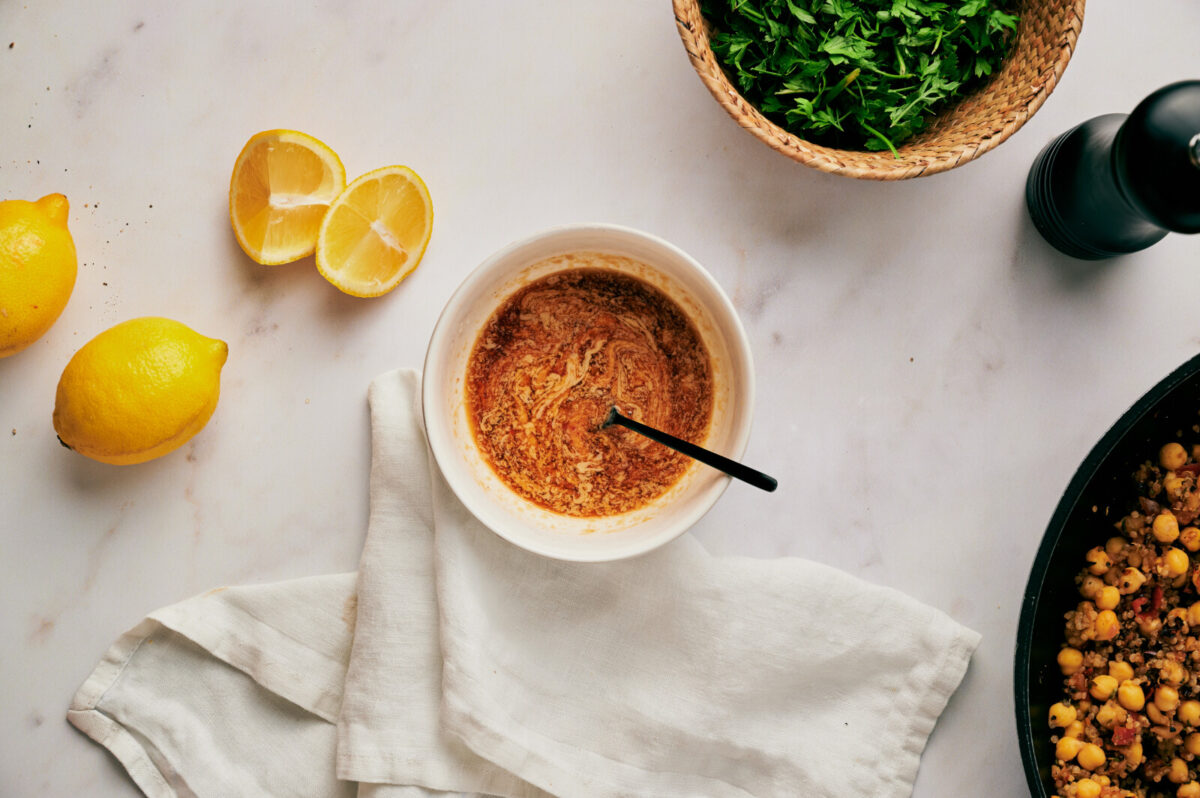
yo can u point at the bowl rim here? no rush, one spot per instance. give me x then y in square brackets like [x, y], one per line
[1034, 588]
[865, 164]
[736, 340]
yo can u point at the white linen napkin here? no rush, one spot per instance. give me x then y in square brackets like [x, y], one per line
[457, 662]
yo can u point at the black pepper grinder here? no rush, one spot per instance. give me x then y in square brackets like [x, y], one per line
[1119, 183]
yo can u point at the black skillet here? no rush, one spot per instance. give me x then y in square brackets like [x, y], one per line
[1104, 481]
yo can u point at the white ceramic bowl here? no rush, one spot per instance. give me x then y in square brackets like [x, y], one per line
[481, 490]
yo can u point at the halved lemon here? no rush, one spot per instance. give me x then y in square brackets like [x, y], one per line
[375, 232]
[283, 182]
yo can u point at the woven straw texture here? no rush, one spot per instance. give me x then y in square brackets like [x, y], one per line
[1046, 38]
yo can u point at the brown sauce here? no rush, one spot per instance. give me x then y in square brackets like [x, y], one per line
[551, 362]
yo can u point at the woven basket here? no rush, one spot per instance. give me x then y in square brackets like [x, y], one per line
[978, 122]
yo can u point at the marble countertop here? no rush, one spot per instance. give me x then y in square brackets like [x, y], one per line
[930, 373]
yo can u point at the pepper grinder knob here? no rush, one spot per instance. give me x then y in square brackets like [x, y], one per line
[1119, 183]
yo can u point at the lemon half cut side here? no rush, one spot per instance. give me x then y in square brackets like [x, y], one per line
[375, 232]
[283, 182]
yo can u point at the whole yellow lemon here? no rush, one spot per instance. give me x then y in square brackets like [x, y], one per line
[37, 269]
[138, 390]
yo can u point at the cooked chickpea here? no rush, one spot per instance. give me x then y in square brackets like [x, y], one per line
[1114, 546]
[1156, 715]
[1173, 486]
[1172, 673]
[1165, 527]
[1131, 581]
[1109, 715]
[1172, 456]
[1191, 743]
[1061, 715]
[1090, 587]
[1067, 748]
[1086, 788]
[1070, 660]
[1189, 536]
[1098, 561]
[1166, 698]
[1130, 696]
[1121, 671]
[1108, 598]
[1107, 625]
[1149, 626]
[1177, 771]
[1103, 686]
[1134, 754]
[1090, 756]
[1188, 712]
[1189, 790]
[1175, 562]
[1074, 729]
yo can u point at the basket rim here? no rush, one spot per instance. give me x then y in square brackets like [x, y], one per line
[693, 31]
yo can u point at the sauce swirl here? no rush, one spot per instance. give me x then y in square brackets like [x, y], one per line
[550, 363]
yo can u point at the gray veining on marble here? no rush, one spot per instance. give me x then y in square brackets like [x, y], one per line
[929, 372]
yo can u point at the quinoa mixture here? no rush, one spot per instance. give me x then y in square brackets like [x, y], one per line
[1128, 723]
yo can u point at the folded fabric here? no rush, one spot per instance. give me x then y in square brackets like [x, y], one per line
[455, 662]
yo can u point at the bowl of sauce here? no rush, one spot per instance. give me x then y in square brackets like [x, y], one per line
[529, 355]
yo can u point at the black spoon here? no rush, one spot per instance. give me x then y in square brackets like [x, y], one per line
[731, 467]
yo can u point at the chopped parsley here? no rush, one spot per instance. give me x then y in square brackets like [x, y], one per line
[857, 74]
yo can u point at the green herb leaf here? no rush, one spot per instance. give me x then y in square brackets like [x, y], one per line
[858, 73]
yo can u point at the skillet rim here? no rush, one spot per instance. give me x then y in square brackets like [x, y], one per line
[1092, 464]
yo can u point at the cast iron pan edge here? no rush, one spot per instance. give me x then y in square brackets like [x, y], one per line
[1032, 731]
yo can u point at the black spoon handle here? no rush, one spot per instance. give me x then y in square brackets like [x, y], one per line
[731, 467]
